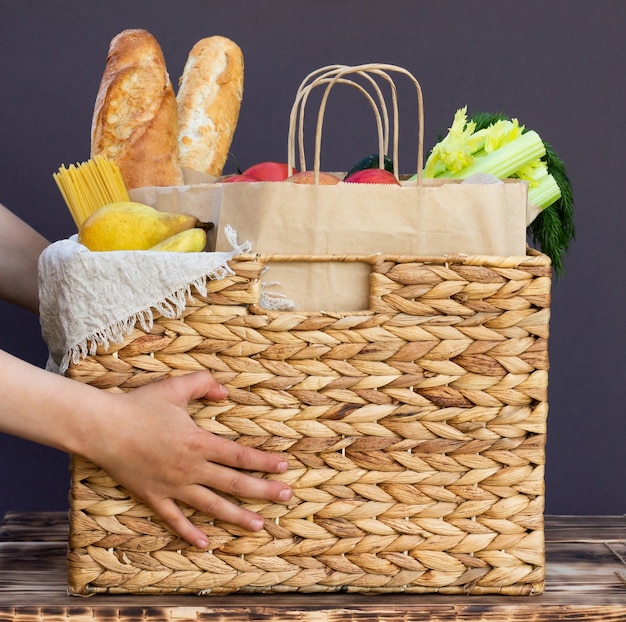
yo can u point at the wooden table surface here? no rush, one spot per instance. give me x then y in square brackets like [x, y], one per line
[585, 564]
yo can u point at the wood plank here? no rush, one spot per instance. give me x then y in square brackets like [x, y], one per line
[571, 563]
[34, 526]
[582, 583]
[312, 613]
[585, 528]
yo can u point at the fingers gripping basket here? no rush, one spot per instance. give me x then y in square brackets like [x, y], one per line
[414, 432]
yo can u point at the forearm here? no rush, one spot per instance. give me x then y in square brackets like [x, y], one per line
[47, 408]
[20, 248]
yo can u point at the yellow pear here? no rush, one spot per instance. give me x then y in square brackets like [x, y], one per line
[127, 225]
[188, 241]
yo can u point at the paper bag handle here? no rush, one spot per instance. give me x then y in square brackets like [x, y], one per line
[323, 76]
[334, 74]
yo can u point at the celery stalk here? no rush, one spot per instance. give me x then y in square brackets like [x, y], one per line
[545, 193]
[506, 160]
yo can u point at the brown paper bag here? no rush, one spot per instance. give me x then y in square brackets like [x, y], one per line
[423, 218]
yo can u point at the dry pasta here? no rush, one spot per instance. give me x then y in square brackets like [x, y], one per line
[88, 186]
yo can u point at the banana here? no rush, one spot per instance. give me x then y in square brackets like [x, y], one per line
[188, 241]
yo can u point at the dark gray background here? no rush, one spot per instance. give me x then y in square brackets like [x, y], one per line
[557, 65]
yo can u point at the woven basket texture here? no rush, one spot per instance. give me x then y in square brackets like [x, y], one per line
[414, 431]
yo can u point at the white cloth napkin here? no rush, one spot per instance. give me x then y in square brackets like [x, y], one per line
[90, 299]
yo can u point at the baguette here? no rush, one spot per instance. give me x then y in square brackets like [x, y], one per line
[135, 115]
[209, 99]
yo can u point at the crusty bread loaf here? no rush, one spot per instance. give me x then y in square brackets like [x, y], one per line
[135, 119]
[209, 99]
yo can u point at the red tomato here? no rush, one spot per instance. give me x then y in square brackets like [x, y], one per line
[269, 171]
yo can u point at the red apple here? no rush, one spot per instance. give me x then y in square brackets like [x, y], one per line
[239, 178]
[372, 176]
[308, 177]
[270, 171]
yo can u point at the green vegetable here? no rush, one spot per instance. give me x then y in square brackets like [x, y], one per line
[502, 162]
[553, 230]
[493, 143]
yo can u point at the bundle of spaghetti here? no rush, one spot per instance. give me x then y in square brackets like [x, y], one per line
[88, 186]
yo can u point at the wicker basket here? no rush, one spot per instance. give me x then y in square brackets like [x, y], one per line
[415, 434]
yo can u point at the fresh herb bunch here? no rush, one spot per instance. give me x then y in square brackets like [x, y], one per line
[553, 229]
